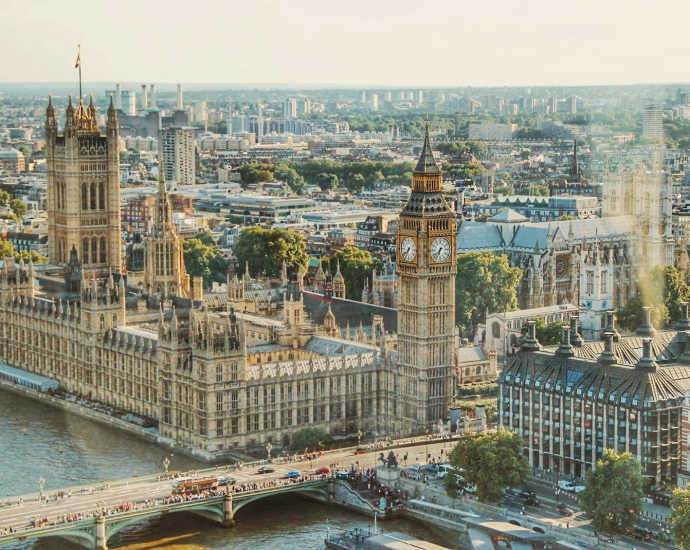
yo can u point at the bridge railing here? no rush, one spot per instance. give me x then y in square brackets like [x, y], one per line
[161, 508]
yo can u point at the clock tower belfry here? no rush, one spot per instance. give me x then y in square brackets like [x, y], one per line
[427, 266]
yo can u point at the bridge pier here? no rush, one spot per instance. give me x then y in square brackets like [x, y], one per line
[101, 540]
[228, 514]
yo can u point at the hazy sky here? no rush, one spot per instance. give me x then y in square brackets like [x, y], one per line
[353, 42]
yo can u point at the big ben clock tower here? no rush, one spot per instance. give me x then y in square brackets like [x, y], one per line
[427, 265]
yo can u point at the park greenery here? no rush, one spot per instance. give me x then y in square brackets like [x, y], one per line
[491, 461]
[680, 518]
[204, 259]
[662, 288]
[613, 492]
[547, 334]
[356, 267]
[485, 281]
[265, 250]
[309, 439]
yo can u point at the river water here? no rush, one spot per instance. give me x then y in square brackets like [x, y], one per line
[39, 441]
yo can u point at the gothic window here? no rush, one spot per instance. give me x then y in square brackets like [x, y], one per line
[102, 260]
[647, 203]
[84, 196]
[219, 373]
[614, 201]
[92, 196]
[627, 202]
[94, 250]
[604, 277]
[495, 329]
[233, 370]
[589, 282]
[101, 196]
[85, 251]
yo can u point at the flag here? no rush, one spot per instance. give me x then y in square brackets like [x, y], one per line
[78, 61]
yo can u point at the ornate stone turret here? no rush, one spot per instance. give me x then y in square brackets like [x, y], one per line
[339, 289]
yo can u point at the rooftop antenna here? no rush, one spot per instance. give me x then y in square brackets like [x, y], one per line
[78, 66]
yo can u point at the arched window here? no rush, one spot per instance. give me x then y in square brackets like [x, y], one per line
[101, 196]
[102, 250]
[614, 201]
[94, 250]
[495, 329]
[233, 370]
[627, 201]
[84, 196]
[85, 251]
[93, 196]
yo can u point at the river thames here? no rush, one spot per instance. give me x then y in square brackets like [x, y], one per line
[39, 441]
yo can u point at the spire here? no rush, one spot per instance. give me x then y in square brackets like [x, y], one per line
[426, 163]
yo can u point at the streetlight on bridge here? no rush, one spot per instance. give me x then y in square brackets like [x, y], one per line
[269, 448]
[359, 437]
[166, 464]
[41, 484]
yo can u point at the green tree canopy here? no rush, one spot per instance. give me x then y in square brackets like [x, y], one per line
[255, 173]
[491, 461]
[504, 189]
[309, 438]
[680, 518]
[265, 250]
[4, 198]
[283, 172]
[613, 492]
[327, 182]
[7, 249]
[19, 207]
[662, 288]
[203, 260]
[534, 190]
[547, 334]
[356, 266]
[485, 281]
[206, 237]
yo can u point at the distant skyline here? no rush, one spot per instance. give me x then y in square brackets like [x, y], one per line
[396, 43]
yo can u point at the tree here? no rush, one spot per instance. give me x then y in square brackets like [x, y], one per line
[290, 176]
[484, 281]
[4, 198]
[356, 266]
[6, 249]
[491, 461]
[535, 190]
[255, 173]
[309, 438]
[567, 218]
[265, 250]
[680, 518]
[18, 206]
[203, 260]
[327, 182]
[206, 237]
[548, 335]
[613, 492]
[663, 288]
[504, 190]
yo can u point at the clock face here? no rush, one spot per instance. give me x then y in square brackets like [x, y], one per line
[408, 249]
[440, 249]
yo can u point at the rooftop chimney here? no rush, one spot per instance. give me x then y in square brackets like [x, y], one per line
[153, 96]
[646, 329]
[611, 325]
[646, 362]
[607, 357]
[144, 97]
[180, 104]
[575, 338]
[531, 343]
[683, 323]
[565, 349]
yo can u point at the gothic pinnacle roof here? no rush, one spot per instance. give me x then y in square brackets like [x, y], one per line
[427, 163]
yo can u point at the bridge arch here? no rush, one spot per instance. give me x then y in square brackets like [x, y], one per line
[84, 536]
[318, 490]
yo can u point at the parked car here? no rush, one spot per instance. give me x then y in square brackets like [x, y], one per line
[570, 486]
[527, 494]
[322, 470]
[343, 474]
[532, 501]
[223, 480]
[293, 474]
[565, 510]
[641, 533]
[265, 470]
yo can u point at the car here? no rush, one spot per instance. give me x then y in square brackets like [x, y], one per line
[532, 501]
[343, 474]
[641, 533]
[292, 474]
[527, 494]
[322, 470]
[431, 468]
[222, 480]
[415, 467]
[565, 510]
[265, 470]
[570, 486]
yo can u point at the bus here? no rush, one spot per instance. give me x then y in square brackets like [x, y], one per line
[188, 485]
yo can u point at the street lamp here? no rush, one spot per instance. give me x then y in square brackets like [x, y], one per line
[557, 467]
[41, 484]
[427, 445]
[359, 437]
[166, 464]
[269, 448]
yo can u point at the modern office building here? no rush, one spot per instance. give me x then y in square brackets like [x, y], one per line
[653, 123]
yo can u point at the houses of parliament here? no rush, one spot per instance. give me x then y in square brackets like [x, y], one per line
[217, 375]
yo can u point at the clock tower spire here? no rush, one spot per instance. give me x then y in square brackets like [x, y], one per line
[427, 265]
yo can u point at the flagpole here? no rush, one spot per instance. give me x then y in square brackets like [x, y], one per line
[79, 56]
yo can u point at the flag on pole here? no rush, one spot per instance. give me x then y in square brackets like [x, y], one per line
[78, 60]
